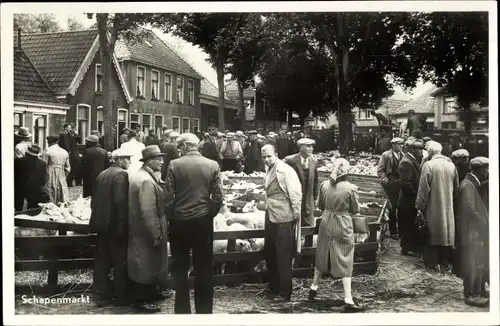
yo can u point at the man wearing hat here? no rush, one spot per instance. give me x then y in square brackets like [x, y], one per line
[435, 198]
[31, 176]
[136, 147]
[231, 153]
[472, 243]
[242, 138]
[194, 198]
[94, 161]
[58, 168]
[20, 149]
[109, 219]
[384, 144]
[165, 139]
[209, 148]
[388, 172]
[124, 136]
[409, 178]
[68, 140]
[147, 246]
[253, 160]
[271, 139]
[170, 150]
[460, 158]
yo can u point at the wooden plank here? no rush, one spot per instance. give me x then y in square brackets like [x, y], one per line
[62, 264]
[48, 225]
[55, 240]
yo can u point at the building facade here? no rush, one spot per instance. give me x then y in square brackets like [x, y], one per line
[209, 102]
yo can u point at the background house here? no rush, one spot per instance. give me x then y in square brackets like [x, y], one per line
[166, 89]
[209, 101]
[35, 104]
[423, 105]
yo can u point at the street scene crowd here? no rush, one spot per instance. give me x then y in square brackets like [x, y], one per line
[158, 195]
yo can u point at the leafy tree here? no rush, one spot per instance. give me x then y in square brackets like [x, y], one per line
[451, 50]
[111, 27]
[74, 25]
[212, 32]
[41, 23]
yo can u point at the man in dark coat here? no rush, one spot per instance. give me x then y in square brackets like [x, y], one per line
[170, 150]
[253, 161]
[384, 144]
[151, 138]
[409, 178]
[94, 161]
[123, 137]
[460, 158]
[282, 144]
[209, 148]
[193, 199]
[32, 176]
[388, 172]
[68, 140]
[109, 219]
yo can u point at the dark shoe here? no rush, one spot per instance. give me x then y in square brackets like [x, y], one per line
[101, 303]
[149, 308]
[312, 294]
[280, 298]
[162, 295]
[353, 308]
[477, 302]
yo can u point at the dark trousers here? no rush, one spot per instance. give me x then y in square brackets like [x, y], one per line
[280, 251]
[110, 252]
[19, 197]
[392, 193]
[437, 255]
[196, 235]
[230, 164]
[144, 293]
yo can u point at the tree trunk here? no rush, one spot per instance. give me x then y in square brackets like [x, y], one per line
[302, 120]
[290, 117]
[344, 124]
[467, 119]
[241, 105]
[106, 52]
[219, 68]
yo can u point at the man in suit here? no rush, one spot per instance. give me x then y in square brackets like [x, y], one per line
[109, 219]
[209, 148]
[388, 172]
[253, 157]
[147, 245]
[409, 178]
[68, 140]
[282, 226]
[170, 150]
[94, 161]
[194, 197]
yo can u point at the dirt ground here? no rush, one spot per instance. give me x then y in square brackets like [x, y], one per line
[401, 284]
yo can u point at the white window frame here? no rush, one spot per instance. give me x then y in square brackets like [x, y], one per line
[189, 124]
[365, 114]
[191, 94]
[47, 129]
[21, 119]
[130, 120]
[196, 123]
[158, 133]
[446, 109]
[177, 88]
[101, 130]
[168, 97]
[150, 122]
[118, 123]
[157, 85]
[82, 141]
[143, 91]
[102, 75]
[180, 121]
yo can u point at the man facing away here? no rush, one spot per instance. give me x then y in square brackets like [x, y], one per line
[253, 160]
[194, 197]
[388, 172]
[147, 242]
[437, 187]
[94, 161]
[282, 226]
[170, 150]
[109, 219]
[135, 147]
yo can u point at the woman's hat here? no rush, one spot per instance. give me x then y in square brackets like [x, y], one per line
[34, 150]
[151, 151]
[23, 132]
[340, 168]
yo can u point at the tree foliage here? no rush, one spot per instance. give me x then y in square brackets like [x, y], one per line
[451, 49]
[41, 23]
[74, 25]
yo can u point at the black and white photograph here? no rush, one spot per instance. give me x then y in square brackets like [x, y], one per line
[284, 162]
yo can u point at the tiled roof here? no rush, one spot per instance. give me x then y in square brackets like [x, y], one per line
[424, 104]
[392, 105]
[207, 88]
[159, 54]
[58, 56]
[28, 84]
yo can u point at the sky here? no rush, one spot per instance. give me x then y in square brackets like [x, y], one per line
[197, 58]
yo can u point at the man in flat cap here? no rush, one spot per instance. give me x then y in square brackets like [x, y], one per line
[147, 246]
[388, 172]
[194, 198]
[231, 153]
[136, 147]
[109, 219]
[409, 178]
[435, 198]
[253, 161]
[473, 233]
[242, 138]
[170, 150]
[460, 158]
[94, 161]
[209, 148]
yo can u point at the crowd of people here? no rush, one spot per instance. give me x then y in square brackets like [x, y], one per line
[152, 196]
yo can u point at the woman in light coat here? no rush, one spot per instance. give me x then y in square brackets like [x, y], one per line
[338, 199]
[58, 168]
